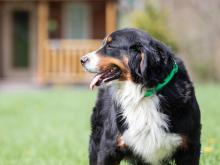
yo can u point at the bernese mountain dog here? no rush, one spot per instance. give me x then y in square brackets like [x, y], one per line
[146, 111]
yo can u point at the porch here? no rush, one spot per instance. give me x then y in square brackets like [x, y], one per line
[59, 61]
[54, 36]
[59, 58]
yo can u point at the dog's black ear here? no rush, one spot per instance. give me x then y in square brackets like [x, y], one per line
[162, 51]
[142, 60]
[149, 62]
[160, 63]
[135, 61]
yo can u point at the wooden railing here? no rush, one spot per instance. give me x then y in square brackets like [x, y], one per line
[60, 61]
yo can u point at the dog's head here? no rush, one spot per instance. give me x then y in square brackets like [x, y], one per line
[129, 55]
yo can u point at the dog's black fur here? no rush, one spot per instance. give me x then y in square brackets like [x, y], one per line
[177, 100]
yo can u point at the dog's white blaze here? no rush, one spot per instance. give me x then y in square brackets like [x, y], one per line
[92, 64]
[145, 133]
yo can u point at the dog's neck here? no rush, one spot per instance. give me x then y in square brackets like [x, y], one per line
[129, 92]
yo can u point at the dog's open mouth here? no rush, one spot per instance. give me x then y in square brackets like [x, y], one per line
[110, 74]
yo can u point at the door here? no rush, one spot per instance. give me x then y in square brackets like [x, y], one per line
[19, 37]
[20, 40]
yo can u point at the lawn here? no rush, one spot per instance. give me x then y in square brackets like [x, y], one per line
[51, 126]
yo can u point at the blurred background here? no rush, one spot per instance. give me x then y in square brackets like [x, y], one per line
[45, 104]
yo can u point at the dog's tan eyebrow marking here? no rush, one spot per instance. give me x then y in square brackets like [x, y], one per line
[109, 39]
[106, 40]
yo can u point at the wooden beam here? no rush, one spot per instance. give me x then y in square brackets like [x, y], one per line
[110, 16]
[1, 41]
[42, 36]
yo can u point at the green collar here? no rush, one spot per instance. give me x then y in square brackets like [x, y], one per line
[151, 91]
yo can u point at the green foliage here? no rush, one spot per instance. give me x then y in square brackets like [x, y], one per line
[203, 70]
[154, 21]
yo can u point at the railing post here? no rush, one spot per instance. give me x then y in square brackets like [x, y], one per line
[110, 16]
[42, 36]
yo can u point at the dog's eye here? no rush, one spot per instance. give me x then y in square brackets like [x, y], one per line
[110, 46]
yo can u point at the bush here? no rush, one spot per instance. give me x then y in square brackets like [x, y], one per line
[153, 20]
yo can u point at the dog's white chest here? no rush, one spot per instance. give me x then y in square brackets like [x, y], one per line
[146, 133]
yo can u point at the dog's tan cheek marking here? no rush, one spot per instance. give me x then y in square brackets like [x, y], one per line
[106, 62]
[125, 59]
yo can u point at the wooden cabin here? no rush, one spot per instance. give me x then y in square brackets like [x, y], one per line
[42, 41]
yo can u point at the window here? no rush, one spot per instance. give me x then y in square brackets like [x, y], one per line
[55, 16]
[76, 20]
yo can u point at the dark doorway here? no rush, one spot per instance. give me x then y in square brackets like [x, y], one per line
[20, 40]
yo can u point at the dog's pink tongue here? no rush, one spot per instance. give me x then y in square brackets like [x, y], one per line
[94, 81]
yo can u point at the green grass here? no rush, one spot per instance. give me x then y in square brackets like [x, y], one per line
[51, 127]
[209, 100]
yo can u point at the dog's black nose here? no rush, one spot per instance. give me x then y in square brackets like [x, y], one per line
[84, 59]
